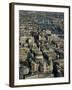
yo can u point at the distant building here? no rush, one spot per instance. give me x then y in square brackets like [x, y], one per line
[24, 70]
[39, 57]
[34, 67]
[46, 67]
[26, 40]
[23, 54]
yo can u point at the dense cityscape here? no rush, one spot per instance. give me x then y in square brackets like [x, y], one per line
[41, 44]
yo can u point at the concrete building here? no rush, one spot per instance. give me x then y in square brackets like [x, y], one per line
[34, 67]
[23, 70]
[39, 57]
[46, 67]
[23, 54]
[26, 40]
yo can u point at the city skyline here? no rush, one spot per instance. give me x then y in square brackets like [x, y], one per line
[41, 44]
